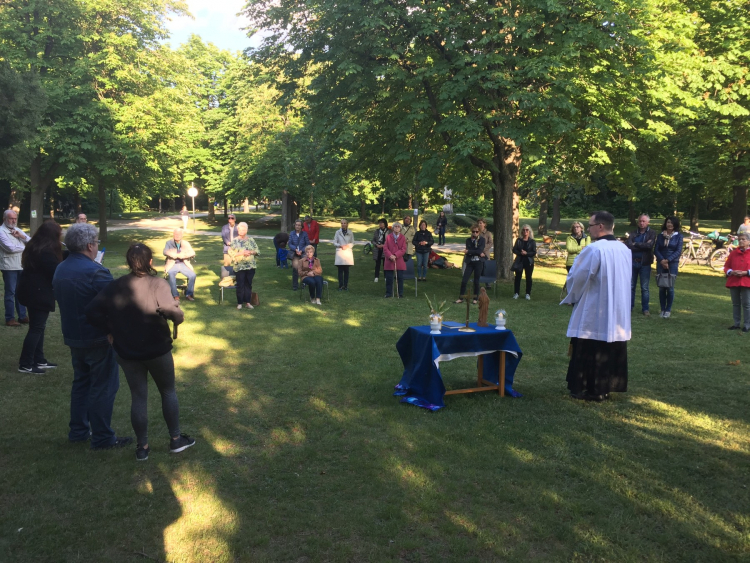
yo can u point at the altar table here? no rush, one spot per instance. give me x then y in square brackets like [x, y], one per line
[422, 352]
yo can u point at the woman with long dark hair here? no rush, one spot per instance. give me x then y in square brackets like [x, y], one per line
[134, 310]
[667, 251]
[39, 260]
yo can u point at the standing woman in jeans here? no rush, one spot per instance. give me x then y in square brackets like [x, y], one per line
[39, 260]
[667, 250]
[423, 242]
[133, 310]
[525, 250]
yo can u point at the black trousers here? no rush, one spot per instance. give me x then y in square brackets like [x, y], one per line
[244, 285]
[343, 276]
[379, 261]
[475, 268]
[528, 269]
[32, 352]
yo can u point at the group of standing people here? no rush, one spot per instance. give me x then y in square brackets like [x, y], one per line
[104, 323]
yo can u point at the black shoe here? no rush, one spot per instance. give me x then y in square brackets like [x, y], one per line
[595, 398]
[578, 396]
[746, 330]
[31, 369]
[181, 444]
[341, 289]
[46, 365]
[388, 296]
[141, 454]
[734, 327]
[294, 289]
[119, 443]
[346, 289]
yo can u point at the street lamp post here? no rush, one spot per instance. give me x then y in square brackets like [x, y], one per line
[192, 192]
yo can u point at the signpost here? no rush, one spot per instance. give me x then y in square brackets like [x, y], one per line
[192, 192]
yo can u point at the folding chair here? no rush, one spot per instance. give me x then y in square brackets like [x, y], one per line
[489, 275]
[303, 291]
[408, 274]
[226, 271]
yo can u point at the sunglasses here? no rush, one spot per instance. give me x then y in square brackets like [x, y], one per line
[475, 232]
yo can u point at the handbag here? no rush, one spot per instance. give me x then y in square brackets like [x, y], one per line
[254, 299]
[517, 266]
[665, 280]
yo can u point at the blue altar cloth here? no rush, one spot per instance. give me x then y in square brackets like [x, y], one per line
[421, 353]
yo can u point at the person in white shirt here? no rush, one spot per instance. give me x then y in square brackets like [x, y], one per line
[599, 328]
[12, 243]
[745, 227]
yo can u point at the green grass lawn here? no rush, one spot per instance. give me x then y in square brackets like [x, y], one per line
[303, 454]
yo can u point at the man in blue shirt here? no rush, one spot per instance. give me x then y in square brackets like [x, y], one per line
[96, 379]
[641, 245]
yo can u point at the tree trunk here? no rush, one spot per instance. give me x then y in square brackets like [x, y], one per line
[39, 185]
[694, 222]
[555, 224]
[503, 207]
[411, 201]
[52, 202]
[516, 214]
[159, 204]
[102, 193]
[111, 198]
[543, 210]
[77, 201]
[246, 206]
[739, 197]
[226, 211]
[211, 210]
[312, 213]
[363, 210]
[632, 216]
[14, 200]
[286, 212]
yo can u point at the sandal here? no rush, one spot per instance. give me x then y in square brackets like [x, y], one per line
[458, 301]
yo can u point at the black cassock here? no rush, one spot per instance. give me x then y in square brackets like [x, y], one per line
[597, 367]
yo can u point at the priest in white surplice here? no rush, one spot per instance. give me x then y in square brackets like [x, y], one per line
[599, 328]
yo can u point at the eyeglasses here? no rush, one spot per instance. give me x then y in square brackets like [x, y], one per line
[475, 232]
[593, 224]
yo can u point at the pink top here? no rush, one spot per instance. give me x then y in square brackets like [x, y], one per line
[392, 247]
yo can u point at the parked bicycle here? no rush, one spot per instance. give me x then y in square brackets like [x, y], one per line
[725, 244]
[550, 247]
[698, 247]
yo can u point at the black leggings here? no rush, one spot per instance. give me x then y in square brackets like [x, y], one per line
[343, 276]
[162, 371]
[528, 269]
[244, 284]
[476, 268]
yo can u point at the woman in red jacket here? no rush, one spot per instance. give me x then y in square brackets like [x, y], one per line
[393, 255]
[737, 269]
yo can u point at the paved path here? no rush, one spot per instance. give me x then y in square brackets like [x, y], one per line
[169, 223]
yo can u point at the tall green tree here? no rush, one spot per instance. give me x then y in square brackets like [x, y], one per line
[487, 83]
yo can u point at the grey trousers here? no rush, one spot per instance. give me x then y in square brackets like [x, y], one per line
[740, 302]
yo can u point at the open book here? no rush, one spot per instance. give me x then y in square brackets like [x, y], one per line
[100, 256]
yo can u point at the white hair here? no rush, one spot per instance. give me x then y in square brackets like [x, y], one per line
[241, 225]
[79, 236]
[178, 230]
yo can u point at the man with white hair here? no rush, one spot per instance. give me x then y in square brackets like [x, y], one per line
[81, 218]
[96, 378]
[12, 243]
[179, 253]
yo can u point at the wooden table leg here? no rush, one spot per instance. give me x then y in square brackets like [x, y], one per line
[502, 374]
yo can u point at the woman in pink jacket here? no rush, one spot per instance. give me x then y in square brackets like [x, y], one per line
[393, 255]
[737, 269]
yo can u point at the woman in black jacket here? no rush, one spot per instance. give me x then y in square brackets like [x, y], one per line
[525, 250]
[39, 260]
[422, 242]
[134, 310]
[474, 257]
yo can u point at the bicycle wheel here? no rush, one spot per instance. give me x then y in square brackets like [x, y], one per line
[718, 258]
[683, 258]
[542, 251]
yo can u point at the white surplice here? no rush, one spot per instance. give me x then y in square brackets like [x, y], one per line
[599, 287]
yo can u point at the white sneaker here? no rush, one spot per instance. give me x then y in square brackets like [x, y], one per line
[248, 306]
[528, 297]
[317, 302]
[376, 280]
[661, 314]
[239, 307]
[667, 314]
[515, 296]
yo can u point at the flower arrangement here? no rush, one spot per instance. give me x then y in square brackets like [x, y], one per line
[438, 311]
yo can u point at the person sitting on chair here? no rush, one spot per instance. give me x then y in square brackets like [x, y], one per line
[179, 253]
[311, 274]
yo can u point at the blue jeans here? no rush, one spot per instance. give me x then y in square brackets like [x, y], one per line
[315, 285]
[666, 294]
[96, 379]
[644, 273]
[181, 268]
[422, 259]
[10, 280]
